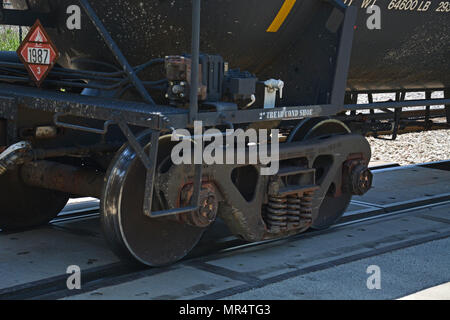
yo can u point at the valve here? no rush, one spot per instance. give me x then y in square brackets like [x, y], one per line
[272, 86]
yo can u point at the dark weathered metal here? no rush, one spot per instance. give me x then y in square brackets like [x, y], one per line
[331, 201]
[23, 206]
[447, 106]
[61, 124]
[14, 156]
[357, 177]
[289, 207]
[408, 114]
[134, 113]
[399, 97]
[3, 134]
[395, 104]
[385, 59]
[155, 211]
[151, 171]
[208, 206]
[344, 55]
[78, 151]
[195, 56]
[193, 205]
[64, 178]
[26, 18]
[117, 52]
[156, 241]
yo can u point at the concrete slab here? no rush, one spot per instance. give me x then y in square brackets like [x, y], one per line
[47, 252]
[182, 283]
[432, 213]
[283, 256]
[401, 272]
[441, 292]
[394, 186]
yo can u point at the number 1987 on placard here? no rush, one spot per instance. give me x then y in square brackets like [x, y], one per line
[39, 56]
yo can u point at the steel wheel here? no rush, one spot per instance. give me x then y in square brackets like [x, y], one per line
[335, 202]
[154, 242]
[23, 207]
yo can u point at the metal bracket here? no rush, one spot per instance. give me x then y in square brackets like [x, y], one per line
[150, 161]
[344, 55]
[397, 115]
[447, 106]
[150, 182]
[146, 161]
[427, 110]
[272, 86]
[81, 128]
[193, 206]
[195, 53]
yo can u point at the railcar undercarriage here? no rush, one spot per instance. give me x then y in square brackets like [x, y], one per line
[103, 132]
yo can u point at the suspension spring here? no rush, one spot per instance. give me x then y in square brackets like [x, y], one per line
[277, 213]
[307, 206]
[289, 212]
[294, 209]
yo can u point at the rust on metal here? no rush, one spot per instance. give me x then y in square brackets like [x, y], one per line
[64, 178]
[357, 177]
[209, 205]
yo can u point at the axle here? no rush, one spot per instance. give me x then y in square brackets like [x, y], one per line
[60, 177]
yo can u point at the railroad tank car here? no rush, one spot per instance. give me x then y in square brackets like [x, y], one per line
[101, 124]
[408, 52]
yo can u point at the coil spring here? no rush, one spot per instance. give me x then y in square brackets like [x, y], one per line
[291, 212]
[307, 206]
[294, 209]
[276, 215]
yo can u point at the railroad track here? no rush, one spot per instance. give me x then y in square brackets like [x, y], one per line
[90, 206]
[117, 273]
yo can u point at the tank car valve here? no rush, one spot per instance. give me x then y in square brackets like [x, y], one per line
[270, 94]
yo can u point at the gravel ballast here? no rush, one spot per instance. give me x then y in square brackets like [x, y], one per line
[412, 148]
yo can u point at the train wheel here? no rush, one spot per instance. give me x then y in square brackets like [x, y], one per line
[23, 207]
[151, 241]
[335, 203]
